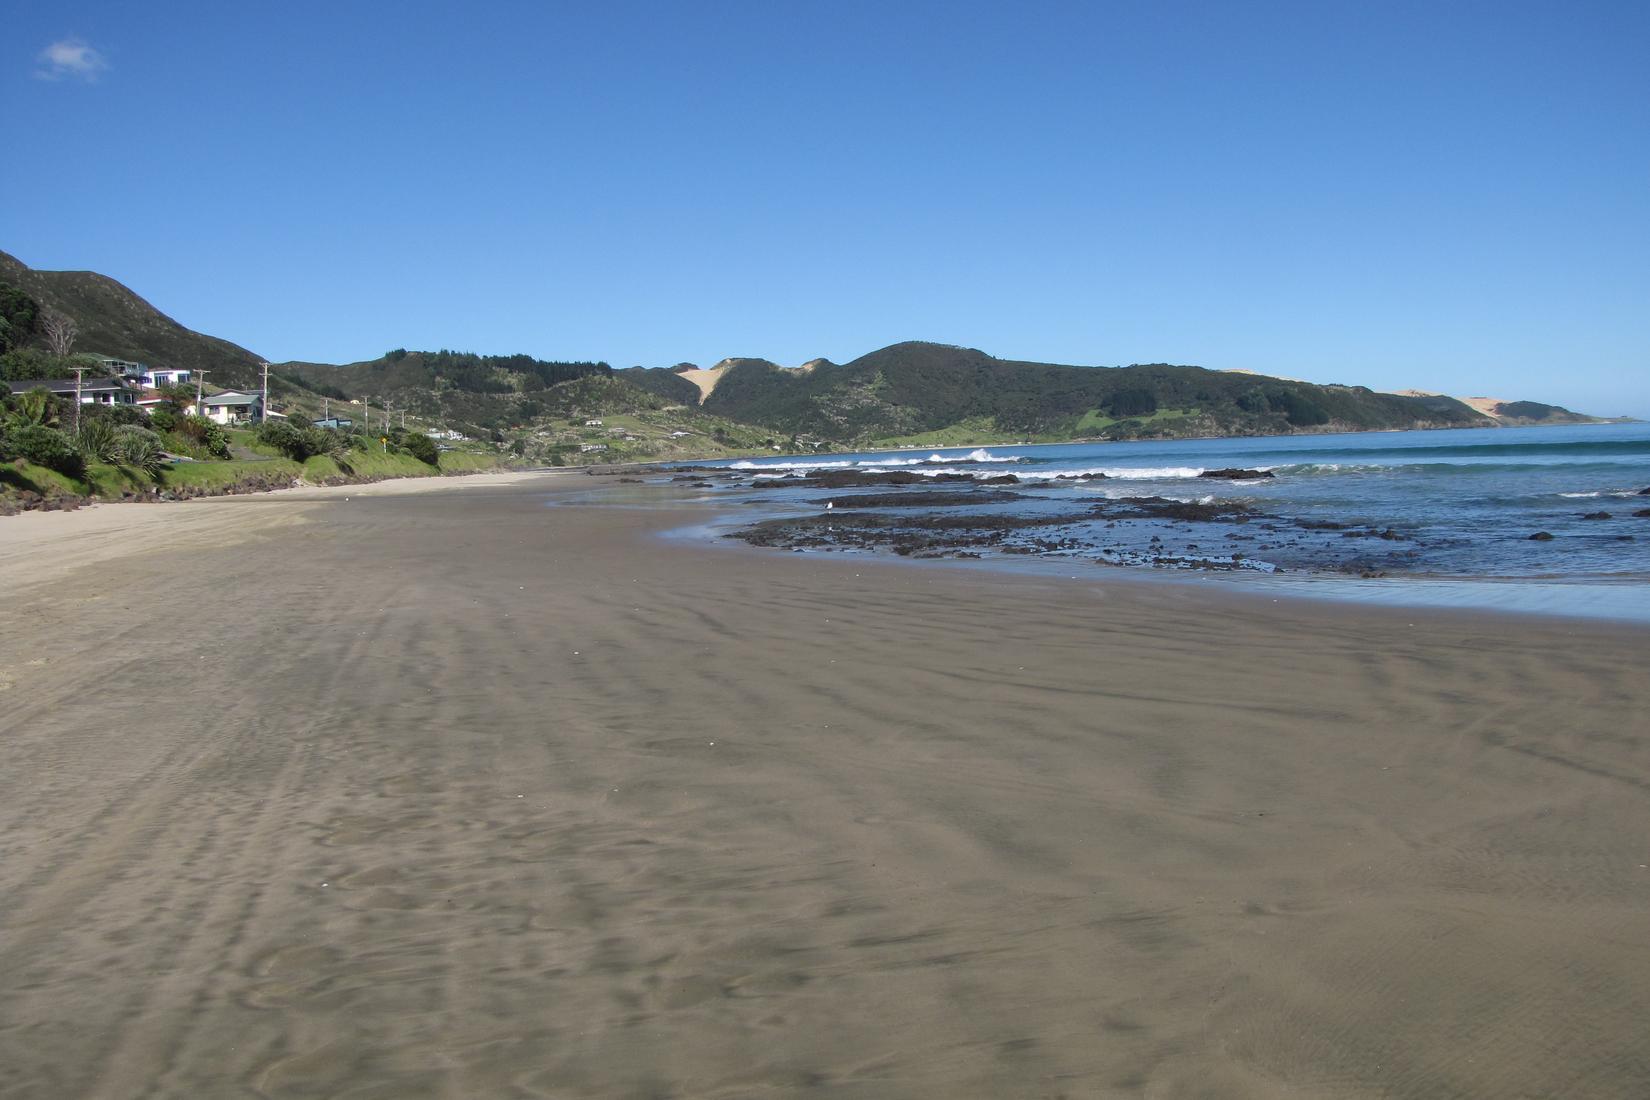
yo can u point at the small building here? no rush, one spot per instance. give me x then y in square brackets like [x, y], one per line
[150, 400]
[93, 391]
[232, 407]
[337, 423]
[591, 448]
[592, 423]
[138, 374]
[123, 368]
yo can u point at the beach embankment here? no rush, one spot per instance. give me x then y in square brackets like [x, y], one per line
[483, 791]
[25, 487]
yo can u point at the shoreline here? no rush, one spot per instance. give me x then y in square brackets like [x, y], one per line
[1348, 523]
[1412, 595]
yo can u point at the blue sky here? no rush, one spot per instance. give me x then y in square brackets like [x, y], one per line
[1444, 195]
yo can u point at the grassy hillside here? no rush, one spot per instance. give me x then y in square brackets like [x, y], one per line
[536, 408]
[112, 320]
[1534, 412]
[475, 393]
[917, 393]
[913, 390]
[667, 383]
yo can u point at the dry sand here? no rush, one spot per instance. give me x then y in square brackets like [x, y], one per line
[459, 795]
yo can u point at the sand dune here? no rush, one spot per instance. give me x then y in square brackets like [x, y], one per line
[463, 795]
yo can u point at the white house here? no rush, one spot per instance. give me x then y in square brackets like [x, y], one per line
[142, 375]
[232, 407]
[123, 367]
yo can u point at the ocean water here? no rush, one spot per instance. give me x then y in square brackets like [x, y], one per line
[1433, 516]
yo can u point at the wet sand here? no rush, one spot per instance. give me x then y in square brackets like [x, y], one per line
[454, 794]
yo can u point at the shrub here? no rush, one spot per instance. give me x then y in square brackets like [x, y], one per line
[49, 448]
[163, 419]
[113, 414]
[421, 447]
[301, 443]
[96, 439]
[206, 434]
[141, 449]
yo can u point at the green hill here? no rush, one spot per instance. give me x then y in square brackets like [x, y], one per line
[915, 389]
[920, 393]
[545, 410]
[668, 383]
[112, 320]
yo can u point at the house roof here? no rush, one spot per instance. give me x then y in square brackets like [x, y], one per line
[230, 397]
[66, 385]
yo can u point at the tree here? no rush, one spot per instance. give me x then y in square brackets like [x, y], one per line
[60, 332]
[421, 447]
[34, 409]
[1132, 402]
[19, 317]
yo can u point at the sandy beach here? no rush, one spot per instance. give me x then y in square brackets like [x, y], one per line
[467, 789]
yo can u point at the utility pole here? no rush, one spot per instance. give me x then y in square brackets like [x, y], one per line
[200, 376]
[79, 373]
[367, 401]
[263, 403]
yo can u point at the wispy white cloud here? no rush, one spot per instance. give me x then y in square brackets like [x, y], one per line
[70, 58]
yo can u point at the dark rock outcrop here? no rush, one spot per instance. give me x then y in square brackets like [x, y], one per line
[1235, 474]
[932, 498]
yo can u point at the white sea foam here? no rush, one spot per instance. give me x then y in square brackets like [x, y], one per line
[747, 464]
[1602, 493]
[978, 455]
[1121, 473]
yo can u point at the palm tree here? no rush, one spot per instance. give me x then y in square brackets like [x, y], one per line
[33, 408]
